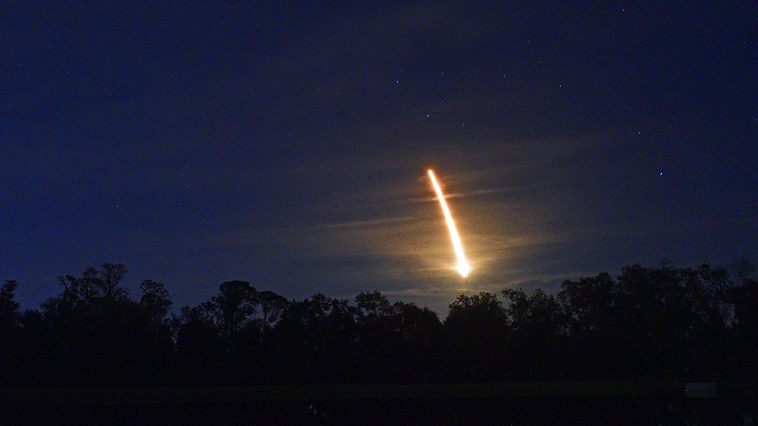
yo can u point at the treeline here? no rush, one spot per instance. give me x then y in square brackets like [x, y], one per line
[693, 323]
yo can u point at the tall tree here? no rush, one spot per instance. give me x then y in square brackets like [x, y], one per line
[110, 277]
[155, 299]
[272, 307]
[476, 329]
[234, 307]
[9, 314]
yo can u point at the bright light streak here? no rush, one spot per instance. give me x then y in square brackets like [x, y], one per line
[463, 266]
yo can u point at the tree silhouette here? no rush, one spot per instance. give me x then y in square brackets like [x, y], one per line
[155, 299]
[109, 278]
[476, 330]
[199, 346]
[233, 308]
[693, 323]
[9, 313]
[745, 301]
[10, 319]
[536, 334]
[272, 307]
[419, 333]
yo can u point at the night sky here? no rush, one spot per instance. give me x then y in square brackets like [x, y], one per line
[287, 145]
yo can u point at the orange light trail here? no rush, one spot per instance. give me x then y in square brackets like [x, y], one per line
[462, 266]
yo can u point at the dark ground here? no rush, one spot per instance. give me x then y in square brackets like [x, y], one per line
[631, 403]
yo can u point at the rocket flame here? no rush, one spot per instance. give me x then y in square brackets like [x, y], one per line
[463, 266]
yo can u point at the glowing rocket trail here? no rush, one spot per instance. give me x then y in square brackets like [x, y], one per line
[463, 266]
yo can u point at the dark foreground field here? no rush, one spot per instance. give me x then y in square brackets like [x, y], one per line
[633, 403]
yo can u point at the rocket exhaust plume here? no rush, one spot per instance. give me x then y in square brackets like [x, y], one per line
[462, 266]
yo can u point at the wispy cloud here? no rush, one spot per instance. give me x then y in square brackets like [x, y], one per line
[384, 230]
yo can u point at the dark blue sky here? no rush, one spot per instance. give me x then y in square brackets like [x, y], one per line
[287, 145]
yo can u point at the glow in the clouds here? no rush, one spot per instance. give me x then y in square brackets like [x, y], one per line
[462, 266]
